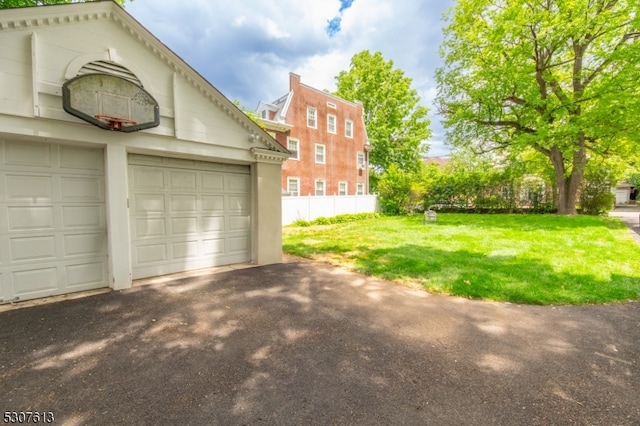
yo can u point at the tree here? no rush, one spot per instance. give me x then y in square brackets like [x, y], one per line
[8, 4]
[559, 76]
[396, 124]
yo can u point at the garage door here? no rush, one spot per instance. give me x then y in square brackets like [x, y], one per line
[187, 214]
[52, 220]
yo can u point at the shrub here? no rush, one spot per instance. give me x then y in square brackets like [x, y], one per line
[400, 192]
[343, 218]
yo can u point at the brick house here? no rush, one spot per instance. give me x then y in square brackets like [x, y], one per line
[327, 138]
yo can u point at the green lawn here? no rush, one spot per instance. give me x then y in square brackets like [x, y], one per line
[533, 259]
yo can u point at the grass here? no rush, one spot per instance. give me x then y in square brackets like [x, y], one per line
[531, 259]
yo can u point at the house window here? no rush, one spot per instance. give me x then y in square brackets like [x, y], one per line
[331, 123]
[293, 186]
[331, 105]
[342, 188]
[312, 118]
[319, 187]
[320, 153]
[293, 145]
[360, 160]
[360, 189]
[348, 128]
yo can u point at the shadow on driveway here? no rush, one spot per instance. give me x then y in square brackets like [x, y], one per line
[304, 343]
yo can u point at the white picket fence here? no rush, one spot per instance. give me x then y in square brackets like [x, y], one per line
[312, 207]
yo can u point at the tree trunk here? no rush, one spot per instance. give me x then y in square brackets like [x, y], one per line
[567, 185]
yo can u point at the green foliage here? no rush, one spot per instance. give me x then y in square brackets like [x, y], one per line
[342, 218]
[596, 197]
[8, 4]
[400, 192]
[489, 185]
[396, 124]
[558, 76]
[253, 116]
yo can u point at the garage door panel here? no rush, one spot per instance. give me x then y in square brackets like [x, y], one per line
[149, 203]
[184, 225]
[29, 188]
[213, 224]
[238, 204]
[145, 178]
[79, 189]
[213, 246]
[84, 244]
[185, 249]
[212, 182]
[79, 158]
[180, 180]
[207, 215]
[26, 282]
[238, 244]
[151, 253]
[83, 216]
[85, 274]
[213, 204]
[33, 248]
[27, 154]
[30, 218]
[237, 183]
[184, 203]
[239, 223]
[150, 228]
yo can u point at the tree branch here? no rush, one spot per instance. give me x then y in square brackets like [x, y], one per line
[506, 123]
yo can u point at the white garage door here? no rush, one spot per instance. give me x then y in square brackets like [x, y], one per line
[52, 220]
[187, 214]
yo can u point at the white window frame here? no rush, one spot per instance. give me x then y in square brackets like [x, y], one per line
[297, 181]
[312, 122]
[348, 128]
[360, 189]
[359, 156]
[324, 187]
[324, 153]
[331, 105]
[332, 124]
[342, 184]
[297, 150]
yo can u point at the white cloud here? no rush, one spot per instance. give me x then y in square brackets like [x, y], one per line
[247, 48]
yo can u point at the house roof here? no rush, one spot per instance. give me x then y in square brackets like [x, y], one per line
[62, 14]
[276, 116]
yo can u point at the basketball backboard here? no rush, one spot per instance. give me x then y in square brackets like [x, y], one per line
[110, 102]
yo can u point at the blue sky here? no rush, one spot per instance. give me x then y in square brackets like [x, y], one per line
[247, 48]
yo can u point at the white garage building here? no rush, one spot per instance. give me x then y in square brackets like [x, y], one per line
[175, 178]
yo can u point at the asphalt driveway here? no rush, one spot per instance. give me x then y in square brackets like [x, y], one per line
[303, 343]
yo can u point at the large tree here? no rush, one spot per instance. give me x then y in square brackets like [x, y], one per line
[560, 76]
[7, 4]
[396, 123]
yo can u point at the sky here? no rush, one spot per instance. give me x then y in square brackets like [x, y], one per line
[247, 48]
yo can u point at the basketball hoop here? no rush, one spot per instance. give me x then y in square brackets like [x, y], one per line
[115, 123]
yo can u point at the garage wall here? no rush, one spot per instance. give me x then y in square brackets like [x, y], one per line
[45, 46]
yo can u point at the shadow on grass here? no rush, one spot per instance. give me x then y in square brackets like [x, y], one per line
[501, 278]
